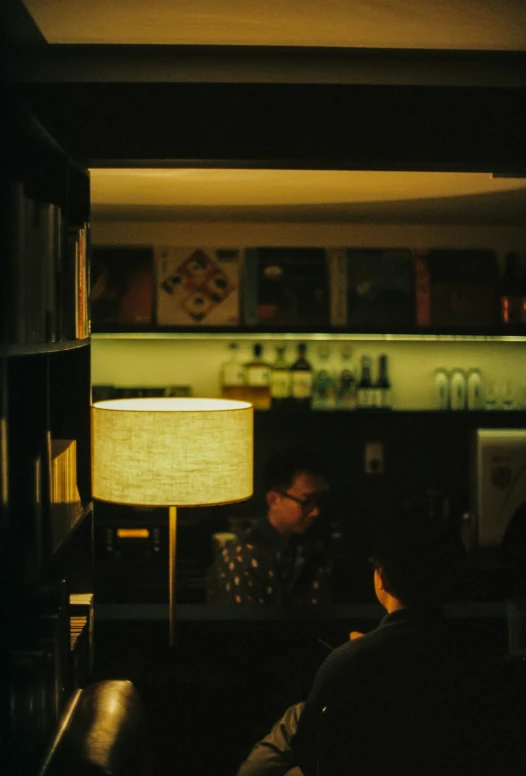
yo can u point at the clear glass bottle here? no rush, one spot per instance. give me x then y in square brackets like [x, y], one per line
[382, 395]
[233, 376]
[365, 385]
[346, 396]
[457, 390]
[474, 393]
[301, 379]
[441, 390]
[257, 389]
[280, 380]
[324, 383]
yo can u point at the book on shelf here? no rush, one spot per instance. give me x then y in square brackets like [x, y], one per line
[74, 284]
[66, 504]
[372, 288]
[121, 280]
[83, 326]
[47, 258]
[456, 288]
[34, 267]
[286, 287]
[197, 286]
[81, 636]
[27, 529]
[17, 323]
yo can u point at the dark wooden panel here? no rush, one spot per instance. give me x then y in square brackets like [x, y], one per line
[287, 125]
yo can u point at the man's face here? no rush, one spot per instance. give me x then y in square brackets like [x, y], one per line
[294, 509]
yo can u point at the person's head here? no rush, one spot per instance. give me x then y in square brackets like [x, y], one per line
[416, 560]
[296, 487]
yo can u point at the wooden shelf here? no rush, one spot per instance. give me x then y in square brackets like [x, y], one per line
[34, 348]
[515, 335]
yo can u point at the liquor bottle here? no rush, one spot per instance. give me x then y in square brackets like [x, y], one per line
[280, 380]
[441, 390]
[346, 397]
[475, 398]
[301, 378]
[324, 382]
[457, 390]
[509, 292]
[365, 386]
[382, 386]
[233, 376]
[257, 389]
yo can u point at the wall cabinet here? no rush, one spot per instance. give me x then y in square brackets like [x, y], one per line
[46, 569]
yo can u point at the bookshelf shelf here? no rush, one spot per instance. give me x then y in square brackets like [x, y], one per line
[327, 336]
[31, 349]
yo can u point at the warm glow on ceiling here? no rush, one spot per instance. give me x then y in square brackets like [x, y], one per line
[218, 187]
[417, 24]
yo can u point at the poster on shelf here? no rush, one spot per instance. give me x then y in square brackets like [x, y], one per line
[286, 287]
[121, 286]
[372, 288]
[197, 286]
[456, 288]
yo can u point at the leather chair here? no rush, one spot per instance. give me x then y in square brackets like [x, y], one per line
[102, 731]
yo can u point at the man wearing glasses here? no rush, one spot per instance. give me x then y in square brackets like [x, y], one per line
[276, 561]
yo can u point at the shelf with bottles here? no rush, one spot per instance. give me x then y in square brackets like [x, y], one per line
[325, 377]
[124, 333]
[297, 385]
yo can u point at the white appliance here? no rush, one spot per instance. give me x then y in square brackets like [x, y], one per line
[498, 481]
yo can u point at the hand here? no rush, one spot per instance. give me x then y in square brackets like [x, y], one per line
[355, 635]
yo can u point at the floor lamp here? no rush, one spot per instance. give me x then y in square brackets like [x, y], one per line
[172, 452]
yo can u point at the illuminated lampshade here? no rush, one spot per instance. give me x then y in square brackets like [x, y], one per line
[172, 452]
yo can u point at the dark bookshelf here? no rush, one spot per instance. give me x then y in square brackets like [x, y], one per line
[44, 395]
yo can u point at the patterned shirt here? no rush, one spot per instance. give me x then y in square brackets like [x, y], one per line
[262, 567]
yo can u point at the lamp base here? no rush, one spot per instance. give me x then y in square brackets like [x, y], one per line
[172, 539]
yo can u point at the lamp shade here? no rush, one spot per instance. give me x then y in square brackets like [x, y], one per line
[172, 451]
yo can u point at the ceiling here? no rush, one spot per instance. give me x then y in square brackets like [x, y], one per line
[157, 194]
[411, 24]
[483, 25]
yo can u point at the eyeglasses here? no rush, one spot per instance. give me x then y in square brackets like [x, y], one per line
[316, 501]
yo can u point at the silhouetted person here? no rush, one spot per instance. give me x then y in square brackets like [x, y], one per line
[406, 697]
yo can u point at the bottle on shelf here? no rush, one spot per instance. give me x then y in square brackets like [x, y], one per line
[508, 395]
[382, 388]
[474, 393]
[441, 390]
[301, 379]
[509, 292]
[233, 376]
[257, 374]
[457, 390]
[280, 380]
[324, 382]
[365, 386]
[346, 397]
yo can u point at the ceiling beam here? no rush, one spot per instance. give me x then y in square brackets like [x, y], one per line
[90, 63]
[302, 126]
